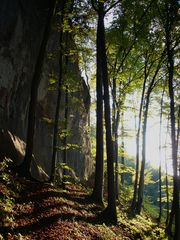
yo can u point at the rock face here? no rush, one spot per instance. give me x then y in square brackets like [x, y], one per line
[21, 30]
[14, 148]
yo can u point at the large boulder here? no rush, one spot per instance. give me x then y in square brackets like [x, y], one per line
[13, 147]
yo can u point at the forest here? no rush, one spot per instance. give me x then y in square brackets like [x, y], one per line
[89, 119]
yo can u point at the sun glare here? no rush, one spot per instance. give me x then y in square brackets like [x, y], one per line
[153, 155]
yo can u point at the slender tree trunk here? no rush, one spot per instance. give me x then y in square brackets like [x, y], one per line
[160, 158]
[133, 205]
[166, 179]
[97, 194]
[115, 125]
[110, 211]
[25, 167]
[170, 23]
[117, 120]
[111, 208]
[141, 180]
[147, 100]
[167, 189]
[178, 134]
[66, 108]
[122, 146]
[160, 189]
[175, 206]
[59, 93]
[65, 137]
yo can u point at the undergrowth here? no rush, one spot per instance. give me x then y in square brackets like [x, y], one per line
[9, 191]
[73, 206]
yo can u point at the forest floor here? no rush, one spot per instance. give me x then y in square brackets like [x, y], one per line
[42, 211]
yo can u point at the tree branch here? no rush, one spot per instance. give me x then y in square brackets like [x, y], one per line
[94, 6]
[113, 5]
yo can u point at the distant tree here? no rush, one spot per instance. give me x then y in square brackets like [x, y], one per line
[123, 36]
[166, 178]
[160, 156]
[156, 63]
[133, 204]
[122, 145]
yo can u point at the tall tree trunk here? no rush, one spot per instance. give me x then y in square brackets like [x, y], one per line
[170, 23]
[141, 180]
[122, 146]
[117, 120]
[59, 93]
[65, 137]
[97, 194]
[115, 126]
[175, 205]
[25, 167]
[66, 108]
[133, 205]
[166, 179]
[167, 196]
[145, 117]
[111, 208]
[178, 139]
[160, 158]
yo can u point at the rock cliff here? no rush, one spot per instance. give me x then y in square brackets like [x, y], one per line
[21, 28]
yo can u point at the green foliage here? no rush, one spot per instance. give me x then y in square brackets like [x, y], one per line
[48, 120]
[70, 146]
[106, 232]
[122, 168]
[140, 226]
[53, 78]
[64, 174]
[125, 195]
[150, 208]
[148, 177]
[64, 132]
[9, 189]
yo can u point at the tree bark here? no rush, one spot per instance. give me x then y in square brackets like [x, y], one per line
[97, 194]
[111, 208]
[167, 194]
[170, 22]
[160, 158]
[115, 124]
[122, 146]
[117, 120]
[175, 205]
[166, 177]
[65, 137]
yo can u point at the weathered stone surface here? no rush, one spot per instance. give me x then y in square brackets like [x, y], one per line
[13, 147]
[21, 29]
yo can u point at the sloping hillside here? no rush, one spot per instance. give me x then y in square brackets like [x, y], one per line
[32, 210]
